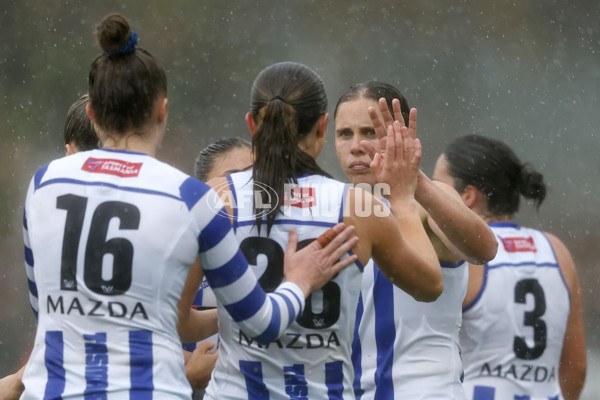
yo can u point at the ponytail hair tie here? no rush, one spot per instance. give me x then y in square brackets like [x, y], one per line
[278, 97]
[129, 47]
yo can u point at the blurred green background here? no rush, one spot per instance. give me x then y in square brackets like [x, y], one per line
[527, 72]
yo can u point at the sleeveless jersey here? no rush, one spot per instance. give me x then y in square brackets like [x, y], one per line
[513, 330]
[109, 239]
[406, 349]
[312, 359]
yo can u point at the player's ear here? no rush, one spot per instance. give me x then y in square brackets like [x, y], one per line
[90, 112]
[471, 196]
[70, 149]
[250, 122]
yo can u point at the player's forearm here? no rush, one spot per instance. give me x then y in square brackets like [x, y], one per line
[197, 325]
[462, 227]
[425, 283]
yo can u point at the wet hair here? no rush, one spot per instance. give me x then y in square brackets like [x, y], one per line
[375, 90]
[493, 168]
[286, 101]
[79, 128]
[208, 155]
[124, 81]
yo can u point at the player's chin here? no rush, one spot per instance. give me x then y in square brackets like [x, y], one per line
[361, 177]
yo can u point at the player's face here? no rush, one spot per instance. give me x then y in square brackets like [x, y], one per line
[235, 160]
[440, 172]
[353, 124]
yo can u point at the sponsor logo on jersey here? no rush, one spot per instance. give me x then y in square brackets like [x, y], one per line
[296, 341]
[301, 197]
[121, 168]
[94, 308]
[520, 372]
[519, 244]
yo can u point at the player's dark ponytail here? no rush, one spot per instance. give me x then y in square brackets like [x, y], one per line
[287, 100]
[493, 168]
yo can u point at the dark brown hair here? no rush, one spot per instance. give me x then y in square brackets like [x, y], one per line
[79, 128]
[375, 90]
[492, 167]
[125, 81]
[205, 161]
[286, 102]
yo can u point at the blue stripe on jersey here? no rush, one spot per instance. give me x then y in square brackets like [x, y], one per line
[37, 178]
[28, 256]
[214, 231]
[292, 222]
[235, 209]
[524, 397]
[96, 366]
[110, 185]
[297, 298]
[189, 346]
[198, 299]
[334, 380]
[272, 330]
[481, 289]
[227, 273]
[35, 313]
[53, 359]
[248, 306]
[523, 264]
[445, 264]
[25, 219]
[32, 288]
[484, 393]
[385, 333]
[289, 305]
[252, 371]
[141, 362]
[357, 351]
[192, 190]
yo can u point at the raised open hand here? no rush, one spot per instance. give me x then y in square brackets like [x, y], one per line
[398, 162]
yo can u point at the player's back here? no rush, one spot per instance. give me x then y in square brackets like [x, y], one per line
[312, 359]
[113, 240]
[405, 348]
[514, 329]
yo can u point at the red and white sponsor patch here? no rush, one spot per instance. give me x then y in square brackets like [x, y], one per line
[519, 244]
[301, 197]
[120, 168]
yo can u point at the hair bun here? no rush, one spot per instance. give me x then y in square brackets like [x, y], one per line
[531, 183]
[114, 33]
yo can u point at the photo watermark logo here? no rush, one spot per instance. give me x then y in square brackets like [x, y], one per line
[300, 201]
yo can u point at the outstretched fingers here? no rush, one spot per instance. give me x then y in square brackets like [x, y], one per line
[378, 125]
[398, 111]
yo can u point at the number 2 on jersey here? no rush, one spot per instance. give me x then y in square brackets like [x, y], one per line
[252, 246]
[97, 245]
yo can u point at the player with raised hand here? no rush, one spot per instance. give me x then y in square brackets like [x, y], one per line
[287, 189]
[110, 236]
[405, 348]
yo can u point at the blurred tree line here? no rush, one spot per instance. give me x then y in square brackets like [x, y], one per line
[527, 72]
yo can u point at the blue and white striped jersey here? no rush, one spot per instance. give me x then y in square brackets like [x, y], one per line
[312, 359]
[406, 349]
[513, 331]
[109, 239]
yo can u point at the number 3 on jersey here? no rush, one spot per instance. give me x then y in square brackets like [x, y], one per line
[97, 245]
[531, 318]
[329, 313]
